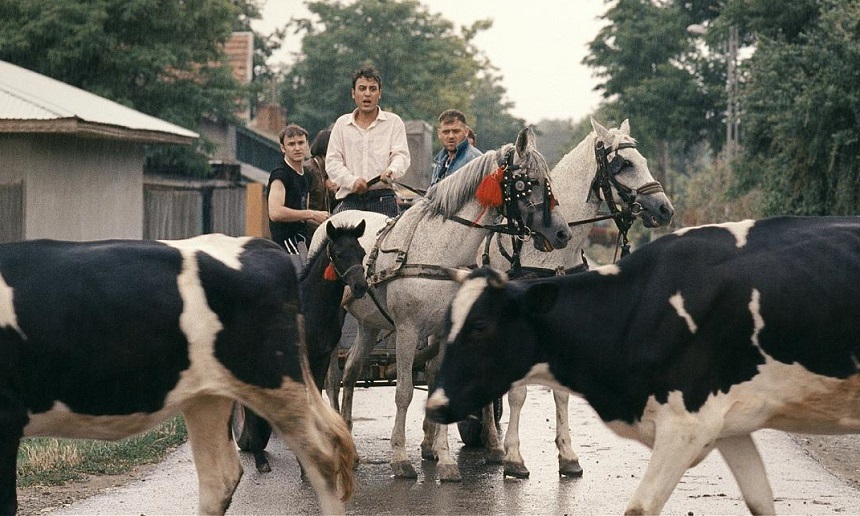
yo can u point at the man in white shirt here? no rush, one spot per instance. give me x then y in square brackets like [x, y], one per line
[367, 150]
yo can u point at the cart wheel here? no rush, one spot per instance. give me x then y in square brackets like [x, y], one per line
[250, 431]
[470, 429]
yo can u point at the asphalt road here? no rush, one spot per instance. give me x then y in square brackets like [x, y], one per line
[613, 467]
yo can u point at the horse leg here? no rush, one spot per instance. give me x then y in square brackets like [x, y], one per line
[215, 458]
[405, 355]
[333, 379]
[568, 462]
[514, 464]
[364, 342]
[744, 460]
[490, 435]
[431, 368]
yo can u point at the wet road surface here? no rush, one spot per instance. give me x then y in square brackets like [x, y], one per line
[613, 468]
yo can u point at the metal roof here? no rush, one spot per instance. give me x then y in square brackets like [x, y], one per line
[34, 103]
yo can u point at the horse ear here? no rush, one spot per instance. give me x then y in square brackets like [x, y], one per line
[330, 230]
[601, 131]
[625, 127]
[359, 229]
[525, 140]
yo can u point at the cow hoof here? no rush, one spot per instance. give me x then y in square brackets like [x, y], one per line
[569, 468]
[448, 473]
[403, 469]
[516, 470]
[496, 456]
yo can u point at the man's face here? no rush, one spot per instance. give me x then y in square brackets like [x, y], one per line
[295, 148]
[451, 134]
[366, 94]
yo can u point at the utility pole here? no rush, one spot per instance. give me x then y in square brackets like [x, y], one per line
[732, 96]
[732, 108]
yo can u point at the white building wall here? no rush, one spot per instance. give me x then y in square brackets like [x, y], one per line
[76, 188]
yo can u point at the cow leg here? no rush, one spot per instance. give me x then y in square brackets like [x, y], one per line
[8, 461]
[568, 462]
[679, 442]
[215, 458]
[514, 464]
[13, 417]
[364, 341]
[743, 458]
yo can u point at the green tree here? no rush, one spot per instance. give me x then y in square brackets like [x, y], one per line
[649, 67]
[802, 110]
[161, 57]
[427, 66]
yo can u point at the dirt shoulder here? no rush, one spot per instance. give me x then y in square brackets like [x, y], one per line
[37, 500]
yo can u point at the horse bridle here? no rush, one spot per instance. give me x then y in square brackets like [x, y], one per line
[606, 179]
[515, 187]
[341, 274]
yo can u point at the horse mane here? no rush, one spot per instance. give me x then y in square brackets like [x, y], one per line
[450, 195]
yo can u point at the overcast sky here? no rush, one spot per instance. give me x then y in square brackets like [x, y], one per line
[538, 46]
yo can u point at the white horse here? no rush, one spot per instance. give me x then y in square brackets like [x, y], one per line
[407, 261]
[573, 182]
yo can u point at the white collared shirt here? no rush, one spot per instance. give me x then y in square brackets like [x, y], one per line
[354, 152]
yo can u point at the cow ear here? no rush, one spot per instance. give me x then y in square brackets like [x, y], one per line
[540, 298]
[458, 275]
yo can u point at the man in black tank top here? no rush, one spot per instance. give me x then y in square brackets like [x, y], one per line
[288, 196]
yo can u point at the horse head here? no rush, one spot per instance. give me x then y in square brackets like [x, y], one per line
[627, 176]
[527, 199]
[346, 255]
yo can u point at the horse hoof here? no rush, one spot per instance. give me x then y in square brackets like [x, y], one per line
[516, 470]
[403, 469]
[448, 473]
[264, 468]
[427, 453]
[569, 468]
[496, 456]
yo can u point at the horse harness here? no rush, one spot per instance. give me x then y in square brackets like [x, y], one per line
[515, 186]
[604, 180]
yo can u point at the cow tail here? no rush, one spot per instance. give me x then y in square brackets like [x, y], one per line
[331, 424]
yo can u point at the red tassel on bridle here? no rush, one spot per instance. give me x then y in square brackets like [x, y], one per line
[489, 192]
[330, 274]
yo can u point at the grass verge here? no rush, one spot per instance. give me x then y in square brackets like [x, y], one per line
[44, 461]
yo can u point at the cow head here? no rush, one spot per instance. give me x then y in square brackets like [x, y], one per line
[491, 341]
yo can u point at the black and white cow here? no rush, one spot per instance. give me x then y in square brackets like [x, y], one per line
[106, 339]
[691, 343]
